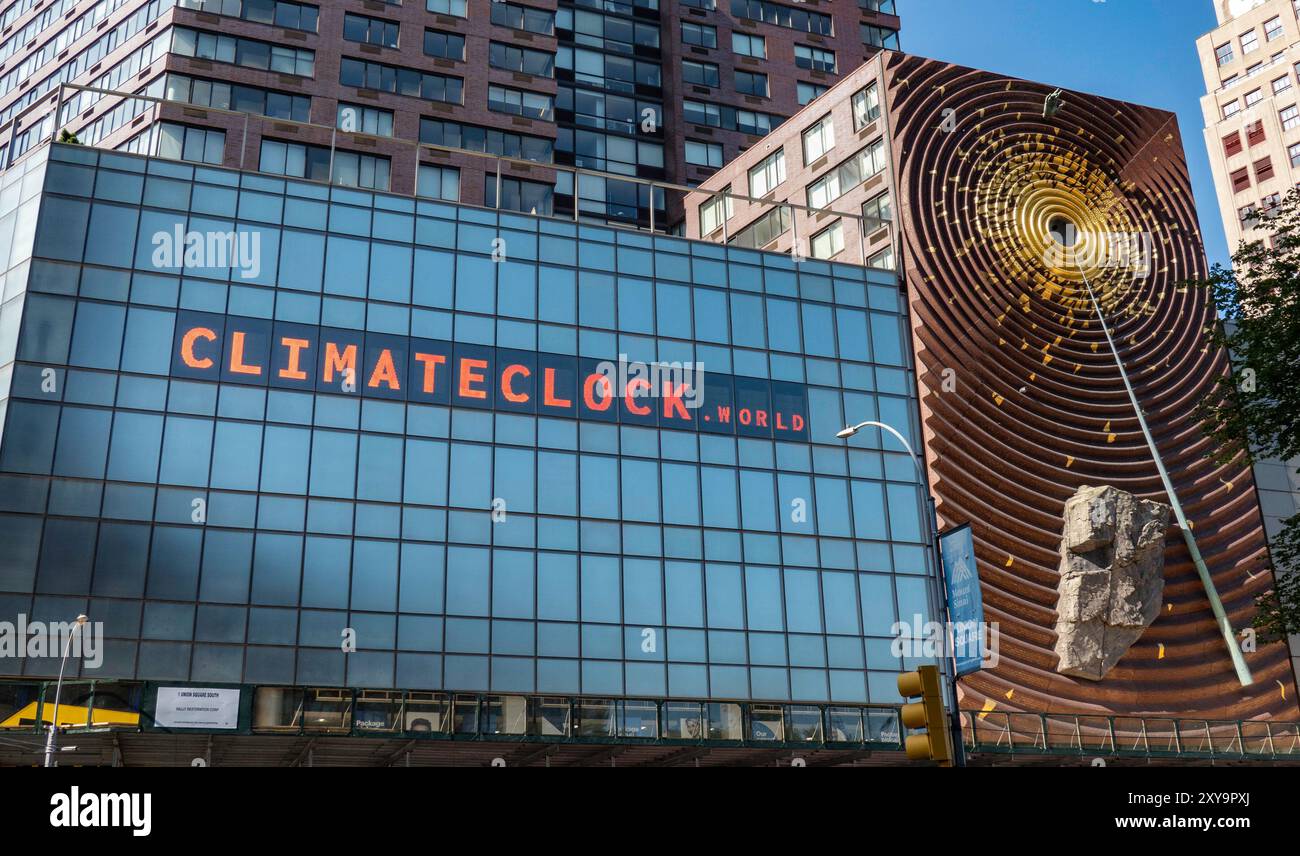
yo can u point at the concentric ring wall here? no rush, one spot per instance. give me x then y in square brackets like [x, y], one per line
[1021, 399]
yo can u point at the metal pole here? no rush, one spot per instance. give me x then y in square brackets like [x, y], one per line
[334, 135]
[939, 594]
[1216, 605]
[794, 243]
[726, 201]
[415, 182]
[243, 144]
[58, 116]
[498, 193]
[652, 207]
[58, 687]
[575, 195]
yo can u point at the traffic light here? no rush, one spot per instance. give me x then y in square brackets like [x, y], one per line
[932, 744]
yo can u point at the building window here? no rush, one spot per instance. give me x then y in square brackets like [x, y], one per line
[1293, 151]
[883, 260]
[1253, 97]
[828, 242]
[876, 212]
[369, 31]
[1263, 169]
[438, 182]
[355, 118]
[279, 13]
[818, 139]
[228, 96]
[782, 16]
[1269, 204]
[444, 45]
[847, 175]
[866, 106]
[529, 197]
[511, 58]
[747, 45]
[440, 132]
[447, 7]
[351, 169]
[879, 37]
[532, 105]
[769, 173]
[1247, 215]
[1232, 108]
[1249, 42]
[1272, 29]
[1255, 133]
[1282, 84]
[722, 116]
[1223, 53]
[764, 230]
[816, 59]
[808, 91]
[751, 83]
[1290, 117]
[608, 152]
[524, 18]
[1240, 179]
[712, 212]
[706, 5]
[699, 35]
[883, 6]
[401, 81]
[1232, 144]
[249, 53]
[182, 142]
[700, 73]
[704, 154]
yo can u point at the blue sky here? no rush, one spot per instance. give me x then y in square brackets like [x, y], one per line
[1135, 50]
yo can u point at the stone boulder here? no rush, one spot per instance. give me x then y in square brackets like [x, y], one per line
[1111, 579]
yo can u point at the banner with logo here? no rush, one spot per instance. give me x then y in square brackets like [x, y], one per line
[965, 602]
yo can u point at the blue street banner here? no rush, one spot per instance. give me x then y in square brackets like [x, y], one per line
[965, 603]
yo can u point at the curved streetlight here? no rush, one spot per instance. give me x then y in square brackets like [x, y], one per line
[849, 430]
[932, 555]
[58, 687]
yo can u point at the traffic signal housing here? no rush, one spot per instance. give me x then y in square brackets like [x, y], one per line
[932, 743]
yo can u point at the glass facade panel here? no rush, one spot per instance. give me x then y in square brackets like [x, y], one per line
[445, 452]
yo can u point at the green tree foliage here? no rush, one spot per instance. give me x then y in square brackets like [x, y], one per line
[1255, 412]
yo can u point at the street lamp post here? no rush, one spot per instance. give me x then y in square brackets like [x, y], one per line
[940, 599]
[58, 687]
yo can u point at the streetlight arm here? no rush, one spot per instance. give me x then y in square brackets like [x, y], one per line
[853, 429]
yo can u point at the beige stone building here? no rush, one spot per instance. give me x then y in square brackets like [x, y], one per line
[1251, 64]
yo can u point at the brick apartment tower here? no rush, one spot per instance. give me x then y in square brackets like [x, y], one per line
[661, 89]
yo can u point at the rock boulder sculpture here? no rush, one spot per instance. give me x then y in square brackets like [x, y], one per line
[1111, 577]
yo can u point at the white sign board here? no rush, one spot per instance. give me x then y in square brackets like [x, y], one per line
[197, 707]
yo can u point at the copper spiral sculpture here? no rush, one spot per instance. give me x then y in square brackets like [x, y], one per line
[1021, 399]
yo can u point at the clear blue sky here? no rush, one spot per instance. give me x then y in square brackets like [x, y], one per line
[1135, 50]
